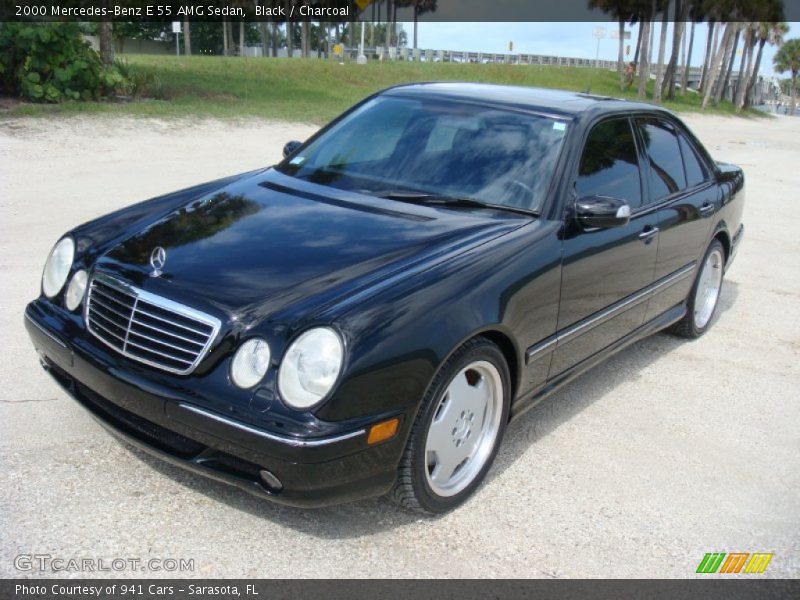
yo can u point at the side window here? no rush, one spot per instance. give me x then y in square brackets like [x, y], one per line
[695, 171]
[665, 175]
[609, 165]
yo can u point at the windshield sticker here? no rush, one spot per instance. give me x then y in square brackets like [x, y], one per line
[558, 126]
[297, 160]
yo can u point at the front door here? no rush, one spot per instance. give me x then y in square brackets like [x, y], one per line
[604, 269]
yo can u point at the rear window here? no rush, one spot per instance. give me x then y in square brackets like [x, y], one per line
[695, 172]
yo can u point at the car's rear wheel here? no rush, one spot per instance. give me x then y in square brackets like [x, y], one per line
[457, 431]
[704, 296]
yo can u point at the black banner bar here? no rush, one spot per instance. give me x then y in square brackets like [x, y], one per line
[739, 588]
[356, 10]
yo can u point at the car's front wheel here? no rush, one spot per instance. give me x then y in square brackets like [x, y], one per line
[457, 431]
[704, 296]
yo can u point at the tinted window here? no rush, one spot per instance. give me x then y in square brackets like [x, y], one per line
[665, 174]
[695, 172]
[609, 166]
[430, 146]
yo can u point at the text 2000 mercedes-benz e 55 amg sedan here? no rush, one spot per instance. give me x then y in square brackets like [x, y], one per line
[367, 316]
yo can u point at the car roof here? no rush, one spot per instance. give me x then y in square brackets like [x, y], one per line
[556, 102]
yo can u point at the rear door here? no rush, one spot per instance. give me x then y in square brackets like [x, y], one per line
[604, 269]
[681, 191]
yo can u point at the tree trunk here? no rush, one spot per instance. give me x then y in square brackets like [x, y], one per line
[621, 54]
[794, 92]
[662, 49]
[264, 30]
[225, 38]
[710, 43]
[304, 39]
[716, 64]
[638, 44]
[719, 89]
[241, 38]
[187, 37]
[644, 68]
[732, 59]
[744, 72]
[753, 79]
[681, 12]
[105, 32]
[289, 34]
[651, 46]
[688, 61]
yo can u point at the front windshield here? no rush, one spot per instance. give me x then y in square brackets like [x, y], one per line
[427, 146]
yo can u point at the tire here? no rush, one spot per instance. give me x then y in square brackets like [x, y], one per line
[699, 314]
[451, 426]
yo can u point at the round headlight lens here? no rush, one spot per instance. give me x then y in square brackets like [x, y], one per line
[56, 269]
[75, 290]
[250, 363]
[310, 368]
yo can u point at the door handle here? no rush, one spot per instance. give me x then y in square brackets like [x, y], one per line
[707, 209]
[647, 233]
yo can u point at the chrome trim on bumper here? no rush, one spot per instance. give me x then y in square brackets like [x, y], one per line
[298, 443]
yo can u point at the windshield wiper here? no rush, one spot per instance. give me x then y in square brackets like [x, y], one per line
[450, 201]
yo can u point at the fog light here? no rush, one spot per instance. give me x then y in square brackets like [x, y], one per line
[382, 431]
[272, 482]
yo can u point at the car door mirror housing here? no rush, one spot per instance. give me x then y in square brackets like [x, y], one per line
[291, 147]
[602, 212]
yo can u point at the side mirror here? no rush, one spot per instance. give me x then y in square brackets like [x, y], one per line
[602, 211]
[291, 147]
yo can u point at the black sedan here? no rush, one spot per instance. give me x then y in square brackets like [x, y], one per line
[367, 316]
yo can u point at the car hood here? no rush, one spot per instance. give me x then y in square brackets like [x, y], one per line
[267, 242]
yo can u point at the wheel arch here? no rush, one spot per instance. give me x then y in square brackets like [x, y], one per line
[721, 233]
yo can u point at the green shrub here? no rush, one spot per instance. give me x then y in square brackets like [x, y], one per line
[52, 62]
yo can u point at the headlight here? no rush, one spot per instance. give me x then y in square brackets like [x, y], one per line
[57, 267]
[310, 368]
[75, 290]
[250, 363]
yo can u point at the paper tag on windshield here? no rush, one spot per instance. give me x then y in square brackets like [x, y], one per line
[297, 160]
[558, 126]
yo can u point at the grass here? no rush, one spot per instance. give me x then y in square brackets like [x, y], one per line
[314, 91]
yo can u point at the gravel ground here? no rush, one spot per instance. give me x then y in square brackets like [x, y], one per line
[669, 450]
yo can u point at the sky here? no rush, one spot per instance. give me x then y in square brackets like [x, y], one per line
[557, 39]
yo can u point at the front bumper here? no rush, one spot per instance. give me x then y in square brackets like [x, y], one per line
[316, 471]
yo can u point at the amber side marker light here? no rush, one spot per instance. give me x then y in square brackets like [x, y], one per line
[382, 431]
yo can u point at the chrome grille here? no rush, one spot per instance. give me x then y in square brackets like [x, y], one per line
[146, 327]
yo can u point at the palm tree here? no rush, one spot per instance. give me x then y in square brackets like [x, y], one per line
[714, 69]
[623, 11]
[767, 32]
[711, 43]
[681, 13]
[688, 61]
[662, 48]
[644, 67]
[744, 70]
[787, 58]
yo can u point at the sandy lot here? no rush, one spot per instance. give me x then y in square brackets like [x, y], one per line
[670, 450]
